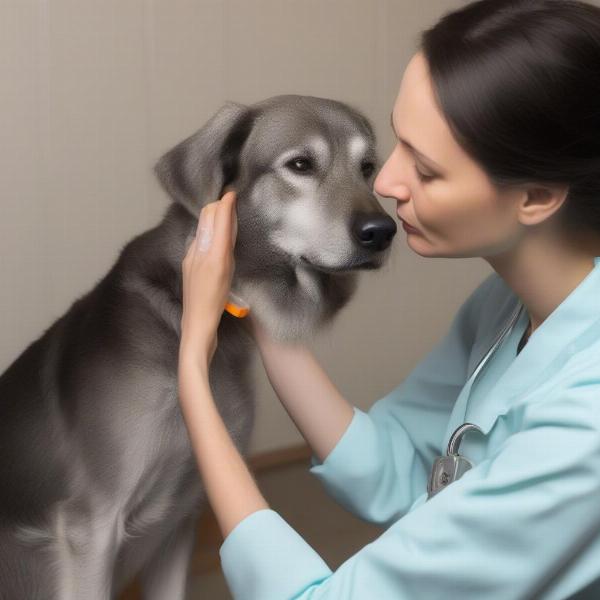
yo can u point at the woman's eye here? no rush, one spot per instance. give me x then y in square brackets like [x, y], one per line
[300, 164]
[423, 176]
[367, 169]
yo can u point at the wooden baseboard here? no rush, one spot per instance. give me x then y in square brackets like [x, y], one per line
[279, 457]
[209, 540]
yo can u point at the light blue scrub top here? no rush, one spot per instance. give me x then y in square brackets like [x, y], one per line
[523, 523]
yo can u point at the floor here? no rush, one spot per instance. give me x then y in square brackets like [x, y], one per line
[301, 500]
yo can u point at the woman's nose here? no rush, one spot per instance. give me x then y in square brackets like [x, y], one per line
[389, 181]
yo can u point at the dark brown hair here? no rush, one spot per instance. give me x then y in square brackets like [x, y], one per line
[519, 83]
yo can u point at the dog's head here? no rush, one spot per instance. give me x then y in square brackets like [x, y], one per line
[308, 221]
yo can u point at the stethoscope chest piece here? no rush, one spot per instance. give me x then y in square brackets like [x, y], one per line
[451, 467]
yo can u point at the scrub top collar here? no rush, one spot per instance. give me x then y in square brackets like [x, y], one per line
[574, 324]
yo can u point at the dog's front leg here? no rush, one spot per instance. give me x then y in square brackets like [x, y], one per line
[85, 543]
[165, 574]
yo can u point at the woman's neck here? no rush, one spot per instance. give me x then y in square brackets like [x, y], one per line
[542, 275]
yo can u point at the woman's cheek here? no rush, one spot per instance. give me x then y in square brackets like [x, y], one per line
[434, 214]
[447, 216]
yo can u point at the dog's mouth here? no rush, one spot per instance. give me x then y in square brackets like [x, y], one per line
[367, 264]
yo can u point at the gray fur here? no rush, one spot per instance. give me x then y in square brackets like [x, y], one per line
[99, 482]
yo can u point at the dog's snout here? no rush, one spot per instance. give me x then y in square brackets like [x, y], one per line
[374, 231]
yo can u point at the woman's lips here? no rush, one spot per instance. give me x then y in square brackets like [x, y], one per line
[406, 226]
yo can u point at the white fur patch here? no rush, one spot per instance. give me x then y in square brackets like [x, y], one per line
[356, 147]
[308, 282]
[307, 230]
[301, 224]
[304, 184]
[321, 149]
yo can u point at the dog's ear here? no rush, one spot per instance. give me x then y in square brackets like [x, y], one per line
[196, 171]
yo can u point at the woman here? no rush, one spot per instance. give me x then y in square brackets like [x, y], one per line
[498, 156]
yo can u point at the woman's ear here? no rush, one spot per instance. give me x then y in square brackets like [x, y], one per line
[195, 171]
[541, 202]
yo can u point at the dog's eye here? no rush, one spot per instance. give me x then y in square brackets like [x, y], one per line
[300, 164]
[367, 168]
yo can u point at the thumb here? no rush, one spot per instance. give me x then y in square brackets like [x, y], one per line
[231, 197]
[234, 223]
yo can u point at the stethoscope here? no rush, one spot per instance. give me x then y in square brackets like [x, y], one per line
[451, 467]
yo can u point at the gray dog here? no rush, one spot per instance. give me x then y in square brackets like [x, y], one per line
[99, 482]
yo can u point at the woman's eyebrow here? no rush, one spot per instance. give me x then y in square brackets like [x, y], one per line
[421, 155]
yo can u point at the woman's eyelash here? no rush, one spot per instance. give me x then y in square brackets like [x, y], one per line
[422, 176]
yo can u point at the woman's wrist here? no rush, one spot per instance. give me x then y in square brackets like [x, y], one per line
[192, 360]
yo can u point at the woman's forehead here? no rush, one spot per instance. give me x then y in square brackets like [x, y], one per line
[415, 108]
[418, 119]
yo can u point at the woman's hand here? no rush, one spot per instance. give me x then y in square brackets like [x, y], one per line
[207, 269]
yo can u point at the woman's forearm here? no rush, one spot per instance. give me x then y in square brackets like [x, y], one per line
[231, 489]
[311, 399]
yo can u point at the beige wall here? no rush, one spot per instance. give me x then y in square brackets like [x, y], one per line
[92, 92]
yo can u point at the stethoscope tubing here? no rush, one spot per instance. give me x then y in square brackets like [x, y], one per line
[505, 331]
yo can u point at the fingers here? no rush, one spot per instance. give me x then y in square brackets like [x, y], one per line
[225, 222]
[217, 223]
[205, 230]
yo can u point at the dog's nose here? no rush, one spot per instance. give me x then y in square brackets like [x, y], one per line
[374, 231]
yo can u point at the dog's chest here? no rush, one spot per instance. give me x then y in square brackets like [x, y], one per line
[159, 477]
[168, 490]
[167, 487]
[164, 481]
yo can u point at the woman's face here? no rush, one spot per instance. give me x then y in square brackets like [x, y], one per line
[440, 190]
